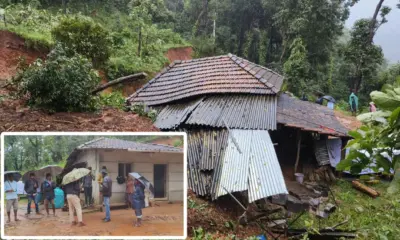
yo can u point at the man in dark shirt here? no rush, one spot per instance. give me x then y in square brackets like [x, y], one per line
[106, 191]
[87, 186]
[74, 203]
[30, 188]
[48, 193]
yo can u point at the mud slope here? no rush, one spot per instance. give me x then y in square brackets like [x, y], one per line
[12, 47]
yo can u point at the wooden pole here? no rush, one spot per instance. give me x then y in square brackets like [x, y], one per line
[129, 78]
[298, 150]
[359, 186]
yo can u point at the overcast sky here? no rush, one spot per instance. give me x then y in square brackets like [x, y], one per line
[388, 35]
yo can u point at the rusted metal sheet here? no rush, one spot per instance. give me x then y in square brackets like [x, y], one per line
[308, 116]
[213, 75]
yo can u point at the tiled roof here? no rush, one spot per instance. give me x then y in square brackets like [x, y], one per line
[308, 116]
[239, 111]
[212, 75]
[111, 143]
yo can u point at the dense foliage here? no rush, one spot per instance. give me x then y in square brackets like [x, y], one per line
[378, 139]
[60, 83]
[332, 59]
[83, 36]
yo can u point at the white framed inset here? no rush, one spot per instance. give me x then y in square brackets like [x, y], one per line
[184, 172]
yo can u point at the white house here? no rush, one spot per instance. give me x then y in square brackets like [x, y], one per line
[162, 165]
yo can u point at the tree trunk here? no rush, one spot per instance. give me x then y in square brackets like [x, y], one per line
[373, 21]
[129, 78]
[140, 42]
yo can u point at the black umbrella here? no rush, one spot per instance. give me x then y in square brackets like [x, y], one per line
[17, 175]
[144, 181]
[329, 98]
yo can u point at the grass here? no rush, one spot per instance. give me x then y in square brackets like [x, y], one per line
[372, 218]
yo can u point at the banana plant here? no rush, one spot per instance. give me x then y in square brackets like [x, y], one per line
[378, 137]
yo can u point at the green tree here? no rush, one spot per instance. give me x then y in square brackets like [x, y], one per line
[61, 83]
[297, 68]
[379, 136]
[84, 36]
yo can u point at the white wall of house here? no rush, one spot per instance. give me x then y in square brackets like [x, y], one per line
[141, 162]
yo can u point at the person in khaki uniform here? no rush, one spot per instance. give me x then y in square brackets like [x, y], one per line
[10, 187]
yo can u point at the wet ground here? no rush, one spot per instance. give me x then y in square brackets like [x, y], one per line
[161, 220]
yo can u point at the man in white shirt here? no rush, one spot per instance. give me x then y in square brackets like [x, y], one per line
[12, 198]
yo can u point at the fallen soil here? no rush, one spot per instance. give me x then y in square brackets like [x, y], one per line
[162, 220]
[12, 47]
[350, 122]
[219, 219]
[15, 117]
[181, 53]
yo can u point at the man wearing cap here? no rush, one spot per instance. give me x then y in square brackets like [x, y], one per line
[106, 192]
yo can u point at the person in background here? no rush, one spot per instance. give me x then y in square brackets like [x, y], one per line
[129, 191]
[107, 192]
[372, 107]
[88, 188]
[11, 197]
[72, 191]
[353, 101]
[100, 182]
[48, 187]
[331, 105]
[31, 186]
[138, 201]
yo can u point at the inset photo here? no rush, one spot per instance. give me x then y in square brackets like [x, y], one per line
[93, 185]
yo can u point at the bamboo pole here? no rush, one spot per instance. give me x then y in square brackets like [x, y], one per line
[298, 150]
[359, 186]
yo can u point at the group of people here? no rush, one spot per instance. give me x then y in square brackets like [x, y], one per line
[134, 195]
[32, 190]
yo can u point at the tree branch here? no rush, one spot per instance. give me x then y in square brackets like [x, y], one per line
[373, 21]
[129, 78]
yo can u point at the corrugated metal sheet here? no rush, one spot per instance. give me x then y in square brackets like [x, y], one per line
[221, 74]
[238, 111]
[265, 175]
[171, 116]
[321, 152]
[308, 116]
[256, 169]
[235, 165]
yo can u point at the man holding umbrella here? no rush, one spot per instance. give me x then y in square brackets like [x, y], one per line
[138, 197]
[72, 190]
[11, 197]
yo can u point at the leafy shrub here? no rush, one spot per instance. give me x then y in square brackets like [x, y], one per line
[85, 37]
[114, 99]
[139, 109]
[61, 83]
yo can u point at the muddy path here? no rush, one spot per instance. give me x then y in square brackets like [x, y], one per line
[162, 220]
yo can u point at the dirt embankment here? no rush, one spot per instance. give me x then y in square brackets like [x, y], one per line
[350, 122]
[12, 48]
[182, 53]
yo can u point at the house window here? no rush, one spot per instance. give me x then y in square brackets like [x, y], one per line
[124, 169]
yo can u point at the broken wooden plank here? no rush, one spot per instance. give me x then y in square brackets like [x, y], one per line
[359, 186]
[128, 78]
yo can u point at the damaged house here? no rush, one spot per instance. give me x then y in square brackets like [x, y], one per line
[239, 124]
